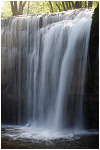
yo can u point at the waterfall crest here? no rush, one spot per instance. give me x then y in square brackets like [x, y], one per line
[43, 60]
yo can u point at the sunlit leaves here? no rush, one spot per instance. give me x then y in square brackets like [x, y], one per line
[34, 7]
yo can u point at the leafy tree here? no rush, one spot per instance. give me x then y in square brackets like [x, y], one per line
[58, 6]
[69, 4]
[63, 5]
[28, 7]
[33, 7]
[15, 9]
[51, 10]
[73, 5]
[85, 4]
[5, 13]
[89, 4]
[77, 4]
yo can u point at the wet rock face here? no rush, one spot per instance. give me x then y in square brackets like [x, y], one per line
[91, 111]
[91, 105]
[93, 62]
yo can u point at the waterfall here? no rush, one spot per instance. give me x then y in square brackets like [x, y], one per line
[43, 68]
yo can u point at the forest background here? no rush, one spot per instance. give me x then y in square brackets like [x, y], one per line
[13, 8]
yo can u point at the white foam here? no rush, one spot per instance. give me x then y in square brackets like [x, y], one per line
[31, 133]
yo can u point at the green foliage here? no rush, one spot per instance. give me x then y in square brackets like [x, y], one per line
[37, 7]
[5, 9]
[95, 4]
[34, 7]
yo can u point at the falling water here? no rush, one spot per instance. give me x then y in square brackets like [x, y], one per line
[43, 68]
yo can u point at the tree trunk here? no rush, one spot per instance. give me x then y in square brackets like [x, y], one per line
[73, 4]
[58, 7]
[85, 4]
[89, 4]
[51, 7]
[77, 4]
[28, 8]
[69, 5]
[80, 4]
[20, 8]
[14, 7]
[63, 5]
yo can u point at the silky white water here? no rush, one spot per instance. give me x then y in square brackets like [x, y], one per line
[44, 60]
